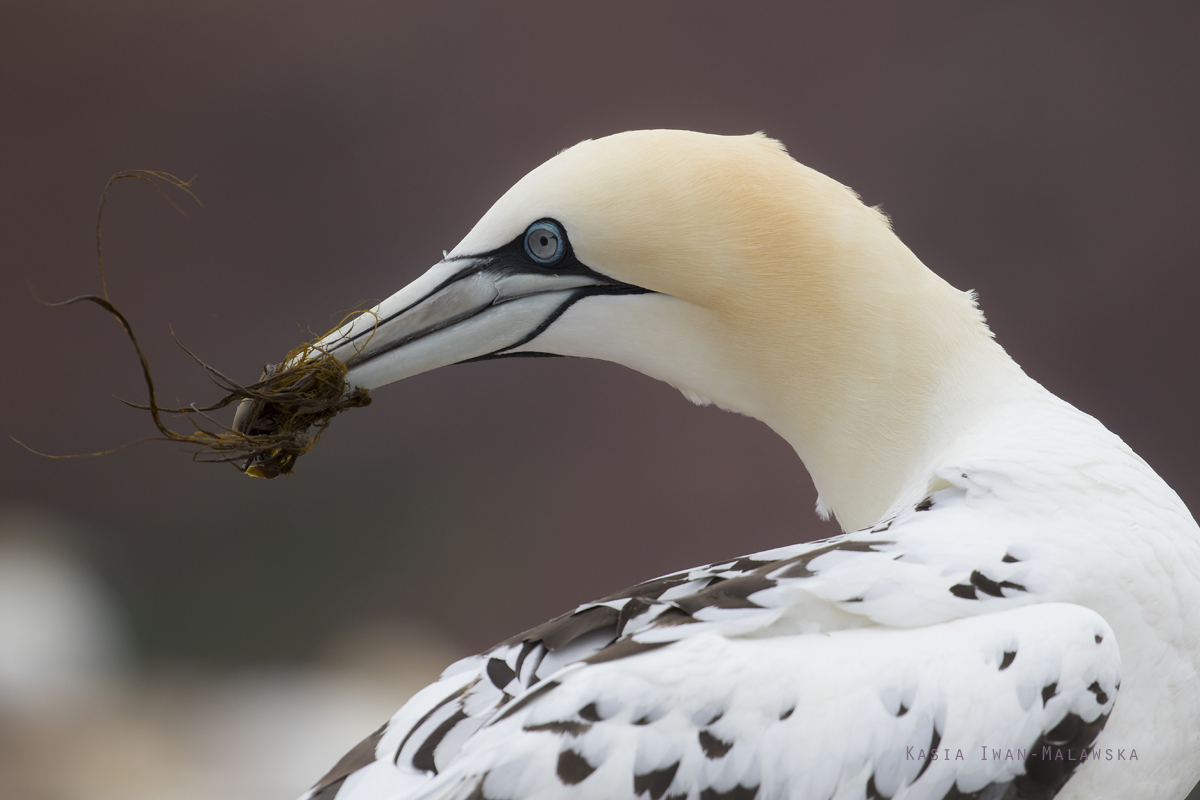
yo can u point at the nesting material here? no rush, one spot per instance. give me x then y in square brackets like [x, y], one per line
[282, 416]
[279, 418]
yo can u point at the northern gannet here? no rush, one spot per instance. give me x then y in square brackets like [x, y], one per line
[1013, 611]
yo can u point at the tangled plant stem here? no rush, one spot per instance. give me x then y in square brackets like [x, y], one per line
[280, 417]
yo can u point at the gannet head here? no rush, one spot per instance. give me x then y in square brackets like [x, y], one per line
[725, 268]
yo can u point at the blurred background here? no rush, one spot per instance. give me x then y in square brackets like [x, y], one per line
[172, 630]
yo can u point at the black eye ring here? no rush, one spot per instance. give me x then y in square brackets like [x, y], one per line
[545, 242]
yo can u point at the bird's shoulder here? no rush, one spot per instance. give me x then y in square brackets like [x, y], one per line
[941, 559]
[1006, 709]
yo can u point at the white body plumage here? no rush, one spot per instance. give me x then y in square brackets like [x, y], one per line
[1020, 595]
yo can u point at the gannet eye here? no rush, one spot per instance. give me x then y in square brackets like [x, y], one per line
[544, 242]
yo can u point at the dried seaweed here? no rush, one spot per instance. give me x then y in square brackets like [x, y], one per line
[279, 418]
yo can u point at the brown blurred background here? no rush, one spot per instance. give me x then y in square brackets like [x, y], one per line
[1042, 154]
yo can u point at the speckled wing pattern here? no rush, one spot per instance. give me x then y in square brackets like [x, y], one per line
[928, 657]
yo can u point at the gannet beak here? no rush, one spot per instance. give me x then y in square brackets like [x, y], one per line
[463, 309]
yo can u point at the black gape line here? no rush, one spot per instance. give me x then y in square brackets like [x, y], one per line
[575, 296]
[516, 258]
[513, 258]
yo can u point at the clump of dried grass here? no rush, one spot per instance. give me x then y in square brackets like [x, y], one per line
[280, 417]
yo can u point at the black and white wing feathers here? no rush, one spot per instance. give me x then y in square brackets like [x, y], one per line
[814, 670]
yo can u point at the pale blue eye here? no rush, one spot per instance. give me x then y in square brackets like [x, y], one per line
[544, 242]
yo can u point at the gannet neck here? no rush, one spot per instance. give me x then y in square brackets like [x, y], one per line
[889, 371]
[868, 363]
[871, 366]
